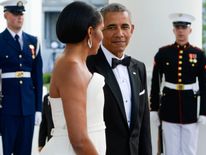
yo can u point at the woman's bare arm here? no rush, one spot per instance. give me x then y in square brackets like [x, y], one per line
[72, 82]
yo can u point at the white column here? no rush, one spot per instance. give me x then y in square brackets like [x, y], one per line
[2, 20]
[33, 18]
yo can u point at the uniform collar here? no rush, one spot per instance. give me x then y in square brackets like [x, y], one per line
[13, 33]
[182, 46]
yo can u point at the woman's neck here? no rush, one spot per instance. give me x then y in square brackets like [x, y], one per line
[77, 50]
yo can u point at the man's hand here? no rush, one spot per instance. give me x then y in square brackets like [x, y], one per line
[38, 118]
[202, 120]
[154, 118]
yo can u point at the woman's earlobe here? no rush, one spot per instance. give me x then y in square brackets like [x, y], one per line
[89, 42]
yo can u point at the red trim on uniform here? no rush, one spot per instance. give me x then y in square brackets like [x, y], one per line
[180, 77]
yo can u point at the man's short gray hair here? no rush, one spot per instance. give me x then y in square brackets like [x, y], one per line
[114, 7]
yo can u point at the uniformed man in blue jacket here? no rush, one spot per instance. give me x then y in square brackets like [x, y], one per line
[21, 65]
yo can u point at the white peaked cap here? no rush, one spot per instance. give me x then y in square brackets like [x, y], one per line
[181, 17]
[13, 5]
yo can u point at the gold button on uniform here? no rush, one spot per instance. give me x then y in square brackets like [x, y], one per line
[179, 68]
[180, 56]
[20, 56]
[181, 51]
[179, 80]
[179, 74]
[180, 62]
[21, 82]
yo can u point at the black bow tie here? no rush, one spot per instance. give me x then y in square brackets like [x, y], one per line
[125, 62]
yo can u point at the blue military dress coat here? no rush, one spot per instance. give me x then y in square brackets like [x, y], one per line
[21, 96]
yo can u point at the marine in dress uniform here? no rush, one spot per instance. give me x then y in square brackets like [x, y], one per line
[182, 68]
[21, 65]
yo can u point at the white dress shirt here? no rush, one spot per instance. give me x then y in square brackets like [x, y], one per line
[19, 34]
[122, 77]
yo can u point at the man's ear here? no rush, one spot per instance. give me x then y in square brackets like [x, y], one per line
[190, 30]
[173, 30]
[5, 15]
[132, 28]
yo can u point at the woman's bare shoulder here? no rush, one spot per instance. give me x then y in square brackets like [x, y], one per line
[69, 71]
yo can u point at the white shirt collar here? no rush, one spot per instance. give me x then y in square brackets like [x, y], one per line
[13, 33]
[109, 55]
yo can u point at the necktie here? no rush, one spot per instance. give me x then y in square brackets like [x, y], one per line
[17, 41]
[125, 62]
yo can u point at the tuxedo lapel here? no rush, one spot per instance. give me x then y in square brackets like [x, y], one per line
[135, 89]
[104, 68]
[8, 37]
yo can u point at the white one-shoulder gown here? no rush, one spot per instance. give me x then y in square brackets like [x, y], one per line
[60, 144]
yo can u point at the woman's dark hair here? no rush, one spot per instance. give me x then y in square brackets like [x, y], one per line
[74, 21]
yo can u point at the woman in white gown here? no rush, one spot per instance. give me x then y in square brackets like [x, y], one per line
[77, 96]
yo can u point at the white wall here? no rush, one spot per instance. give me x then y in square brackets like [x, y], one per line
[33, 18]
[2, 20]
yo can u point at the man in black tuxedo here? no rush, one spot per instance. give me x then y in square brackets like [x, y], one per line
[126, 112]
[46, 123]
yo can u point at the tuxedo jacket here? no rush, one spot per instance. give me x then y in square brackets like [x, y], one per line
[121, 139]
[21, 96]
[46, 123]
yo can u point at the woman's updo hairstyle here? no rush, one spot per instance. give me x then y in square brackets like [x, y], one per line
[74, 21]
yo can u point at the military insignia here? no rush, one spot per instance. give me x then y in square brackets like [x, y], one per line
[19, 3]
[192, 58]
[180, 15]
[32, 51]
